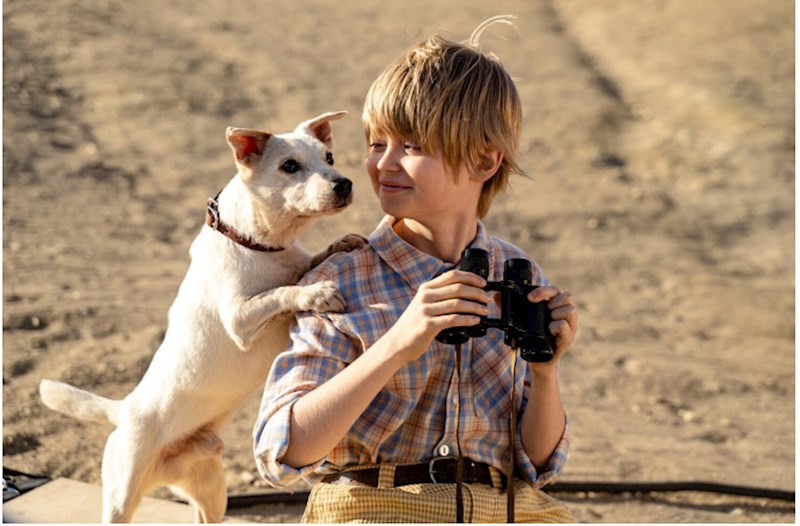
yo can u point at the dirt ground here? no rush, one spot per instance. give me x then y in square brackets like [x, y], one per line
[659, 140]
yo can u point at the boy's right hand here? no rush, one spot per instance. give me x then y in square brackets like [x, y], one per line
[453, 299]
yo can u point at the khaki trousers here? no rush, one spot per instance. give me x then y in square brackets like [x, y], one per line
[358, 503]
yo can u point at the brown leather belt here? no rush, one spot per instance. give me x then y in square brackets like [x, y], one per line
[438, 470]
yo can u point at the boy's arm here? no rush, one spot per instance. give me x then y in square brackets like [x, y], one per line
[322, 417]
[543, 422]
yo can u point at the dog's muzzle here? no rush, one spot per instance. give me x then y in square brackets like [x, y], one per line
[343, 190]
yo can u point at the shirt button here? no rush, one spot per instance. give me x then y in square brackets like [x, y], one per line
[444, 451]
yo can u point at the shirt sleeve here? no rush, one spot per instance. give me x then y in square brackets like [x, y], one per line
[555, 464]
[318, 352]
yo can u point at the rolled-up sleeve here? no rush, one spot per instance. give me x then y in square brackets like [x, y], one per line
[317, 353]
[554, 466]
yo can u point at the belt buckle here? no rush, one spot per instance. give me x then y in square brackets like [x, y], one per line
[432, 466]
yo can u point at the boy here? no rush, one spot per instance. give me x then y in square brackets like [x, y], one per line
[367, 402]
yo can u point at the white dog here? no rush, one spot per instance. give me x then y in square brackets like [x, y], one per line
[227, 324]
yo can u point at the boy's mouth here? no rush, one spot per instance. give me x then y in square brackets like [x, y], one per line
[391, 187]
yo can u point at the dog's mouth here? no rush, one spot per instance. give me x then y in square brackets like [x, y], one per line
[333, 207]
[344, 202]
[335, 198]
[337, 207]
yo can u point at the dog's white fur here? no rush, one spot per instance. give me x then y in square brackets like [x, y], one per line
[226, 326]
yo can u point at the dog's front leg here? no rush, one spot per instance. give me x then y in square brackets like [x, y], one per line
[345, 243]
[245, 320]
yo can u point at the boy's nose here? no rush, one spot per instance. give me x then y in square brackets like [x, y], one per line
[389, 159]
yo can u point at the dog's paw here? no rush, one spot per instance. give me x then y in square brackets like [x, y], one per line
[321, 297]
[346, 243]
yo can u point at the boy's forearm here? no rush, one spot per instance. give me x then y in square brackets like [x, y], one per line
[321, 418]
[543, 422]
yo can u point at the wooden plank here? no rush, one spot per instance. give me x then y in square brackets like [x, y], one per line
[70, 502]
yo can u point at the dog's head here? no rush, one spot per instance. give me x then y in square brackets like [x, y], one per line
[293, 174]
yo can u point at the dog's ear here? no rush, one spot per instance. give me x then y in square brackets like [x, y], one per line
[248, 145]
[320, 126]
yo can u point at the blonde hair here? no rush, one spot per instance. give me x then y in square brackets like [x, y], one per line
[453, 98]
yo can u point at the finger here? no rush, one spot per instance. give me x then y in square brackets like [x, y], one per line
[450, 321]
[544, 293]
[567, 312]
[562, 331]
[456, 306]
[458, 276]
[561, 299]
[458, 291]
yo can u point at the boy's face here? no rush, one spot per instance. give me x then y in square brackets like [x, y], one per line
[413, 184]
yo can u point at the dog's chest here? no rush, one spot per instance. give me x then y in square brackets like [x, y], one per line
[261, 272]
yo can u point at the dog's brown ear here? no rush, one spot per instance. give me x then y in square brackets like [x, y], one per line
[320, 126]
[248, 145]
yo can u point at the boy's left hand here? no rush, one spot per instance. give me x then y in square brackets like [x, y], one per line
[565, 317]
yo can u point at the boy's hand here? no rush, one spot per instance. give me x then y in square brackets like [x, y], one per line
[453, 299]
[565, 320]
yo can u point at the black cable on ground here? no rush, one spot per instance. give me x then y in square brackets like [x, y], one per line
[652, 487]
[15, 483]
[246, 500]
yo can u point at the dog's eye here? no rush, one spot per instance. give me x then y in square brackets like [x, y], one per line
[290, 166]
[329, 158]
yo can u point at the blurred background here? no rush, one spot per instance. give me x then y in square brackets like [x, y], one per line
[659, 146]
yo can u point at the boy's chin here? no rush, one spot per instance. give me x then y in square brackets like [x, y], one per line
[392, 208]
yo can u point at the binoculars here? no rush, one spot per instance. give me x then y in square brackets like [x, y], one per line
[525, 324]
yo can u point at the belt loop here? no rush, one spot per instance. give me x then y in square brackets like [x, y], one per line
[386, 475]
[497, 482]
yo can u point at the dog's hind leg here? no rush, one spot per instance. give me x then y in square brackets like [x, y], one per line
[127, 473]
[205, 489]
[178, 459]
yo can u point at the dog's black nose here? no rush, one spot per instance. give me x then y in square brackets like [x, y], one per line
[343, 187]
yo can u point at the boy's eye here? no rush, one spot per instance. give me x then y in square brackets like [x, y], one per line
[329, 158]
[290, 166]
[411, 146]
[377, 146]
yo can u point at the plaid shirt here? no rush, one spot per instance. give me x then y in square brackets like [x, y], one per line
[413, 418]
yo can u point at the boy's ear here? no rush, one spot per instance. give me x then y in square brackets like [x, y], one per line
[488, 164]
[320, 126]
[248, 145]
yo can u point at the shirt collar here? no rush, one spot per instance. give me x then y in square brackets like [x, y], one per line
[413, 265]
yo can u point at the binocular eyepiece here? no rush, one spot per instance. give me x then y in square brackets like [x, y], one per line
[525, 324]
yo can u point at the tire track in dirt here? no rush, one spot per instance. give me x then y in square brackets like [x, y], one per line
[616, 115]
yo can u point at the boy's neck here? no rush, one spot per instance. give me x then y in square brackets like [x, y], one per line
[443, 241]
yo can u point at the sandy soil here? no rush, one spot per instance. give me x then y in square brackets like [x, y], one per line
[659, 137]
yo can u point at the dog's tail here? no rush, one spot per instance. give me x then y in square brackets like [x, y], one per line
[78, 403]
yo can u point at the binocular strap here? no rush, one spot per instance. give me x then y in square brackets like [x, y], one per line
[513, 440]
[460, 457]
